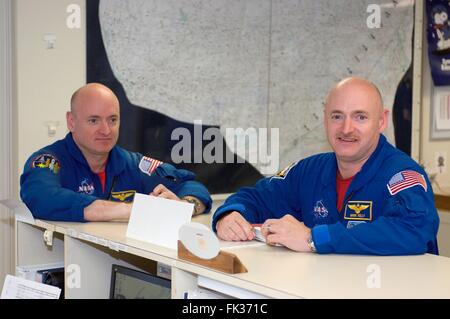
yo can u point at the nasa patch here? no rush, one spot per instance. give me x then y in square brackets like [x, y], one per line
[86, 186]
[320, 211]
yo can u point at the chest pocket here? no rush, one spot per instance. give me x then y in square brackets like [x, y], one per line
[122, 196]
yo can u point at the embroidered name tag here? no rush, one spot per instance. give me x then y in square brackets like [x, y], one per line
[358, 210]
[124, 196]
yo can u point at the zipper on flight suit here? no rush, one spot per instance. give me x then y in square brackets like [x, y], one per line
[112, 187]
[346, 201]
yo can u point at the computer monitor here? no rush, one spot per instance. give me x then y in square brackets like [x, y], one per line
[127, 283]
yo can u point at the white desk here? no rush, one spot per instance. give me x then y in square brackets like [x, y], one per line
[272, 271]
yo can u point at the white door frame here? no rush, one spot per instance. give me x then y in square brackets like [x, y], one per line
[8, 169]
[419, 28]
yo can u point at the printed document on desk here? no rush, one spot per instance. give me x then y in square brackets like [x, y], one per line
[20, 288]
[157, 220]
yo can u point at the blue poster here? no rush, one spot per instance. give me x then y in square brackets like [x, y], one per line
[438, 34]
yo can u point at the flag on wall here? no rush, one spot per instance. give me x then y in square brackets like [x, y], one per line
[438, 34]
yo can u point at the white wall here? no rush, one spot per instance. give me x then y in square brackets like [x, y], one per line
[42, 83]
[45, 78]
[424, 149]
[428, 147]
[6, 158]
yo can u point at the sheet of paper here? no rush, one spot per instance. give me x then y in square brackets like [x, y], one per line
[239, 244]
[259, 236]
[157, 220]
[19, 209]
[20, 288]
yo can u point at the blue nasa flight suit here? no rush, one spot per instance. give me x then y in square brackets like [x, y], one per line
[372, 221]
[57, 183]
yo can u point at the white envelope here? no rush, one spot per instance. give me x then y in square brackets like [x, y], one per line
[157, 220]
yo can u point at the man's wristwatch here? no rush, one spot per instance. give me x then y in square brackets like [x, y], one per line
[311, 245]
[196, 202]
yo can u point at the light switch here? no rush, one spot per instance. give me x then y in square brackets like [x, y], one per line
[51, 127]
[49, 39]
[440, 162]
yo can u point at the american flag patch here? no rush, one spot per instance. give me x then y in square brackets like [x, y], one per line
[148, 165]
[404, 180]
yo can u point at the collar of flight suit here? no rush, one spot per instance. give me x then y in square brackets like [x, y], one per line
[367, 172]
[115, 164]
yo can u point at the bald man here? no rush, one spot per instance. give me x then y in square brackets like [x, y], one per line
[87, 177]
[366, 197]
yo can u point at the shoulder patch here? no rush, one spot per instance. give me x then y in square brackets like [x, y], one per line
[46, 161]
[148, 165]
[283, 173]
[404, 180]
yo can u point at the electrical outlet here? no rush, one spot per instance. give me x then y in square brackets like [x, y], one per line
[51, 127]
[440, 162]
[49, 40]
